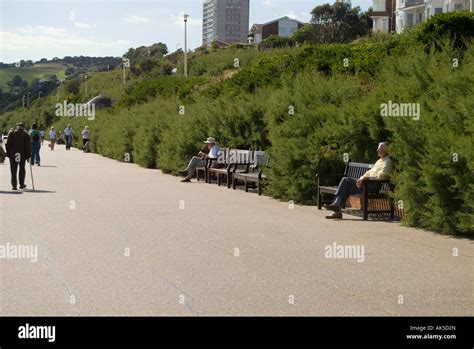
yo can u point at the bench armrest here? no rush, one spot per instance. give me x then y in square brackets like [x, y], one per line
[366, 182]
[328, 175]
[377, 181]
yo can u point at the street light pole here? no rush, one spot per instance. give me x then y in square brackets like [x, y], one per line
[185, 46]
[125, 64]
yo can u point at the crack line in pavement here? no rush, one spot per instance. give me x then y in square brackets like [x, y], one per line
[188, 300]
[59, 276]
[426, 245]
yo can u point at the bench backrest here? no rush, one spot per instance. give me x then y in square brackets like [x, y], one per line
[237, 158]
[260, 160]
[355, 170]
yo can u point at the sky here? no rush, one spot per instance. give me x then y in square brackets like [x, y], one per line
[35, 29]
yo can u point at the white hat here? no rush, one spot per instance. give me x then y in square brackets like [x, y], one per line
[210, 140]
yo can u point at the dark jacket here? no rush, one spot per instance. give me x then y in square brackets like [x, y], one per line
[19, 142]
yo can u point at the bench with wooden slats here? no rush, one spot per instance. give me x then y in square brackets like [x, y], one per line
[203, 172]
[255, 175]
[233, 161]
[371, 202]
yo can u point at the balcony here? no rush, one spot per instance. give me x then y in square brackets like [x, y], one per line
[410, 3]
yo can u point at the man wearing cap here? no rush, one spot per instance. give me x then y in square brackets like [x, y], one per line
[18, 151]
[200, 160]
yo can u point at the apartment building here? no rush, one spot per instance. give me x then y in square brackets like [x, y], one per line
[412, 12]
[383, 16]
[225, 21]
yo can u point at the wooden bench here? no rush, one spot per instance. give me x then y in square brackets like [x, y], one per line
[233, 161]
[254, 175]
[371, 202]
[203, 172]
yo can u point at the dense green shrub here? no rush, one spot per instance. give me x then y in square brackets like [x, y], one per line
[275, 41]
[457, 27]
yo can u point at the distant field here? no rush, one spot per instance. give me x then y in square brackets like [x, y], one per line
[30, 73]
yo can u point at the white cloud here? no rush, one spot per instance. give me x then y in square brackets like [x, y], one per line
[137, 19]
[41, 40]
[80, 25]
[179, 20]
[292, 15]
[267, 3]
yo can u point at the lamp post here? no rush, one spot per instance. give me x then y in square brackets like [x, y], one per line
[185, 45]
[125, 64]
[85, 83]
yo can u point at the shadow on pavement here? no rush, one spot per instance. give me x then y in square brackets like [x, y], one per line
[38, 191]
[11, 192]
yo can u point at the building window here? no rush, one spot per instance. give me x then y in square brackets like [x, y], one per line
[438, 10]
[379, 6]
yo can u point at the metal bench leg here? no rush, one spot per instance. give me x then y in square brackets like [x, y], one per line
[392, 210]
[365, 204]
[246, 185]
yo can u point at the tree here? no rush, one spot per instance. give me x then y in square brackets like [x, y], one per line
[17, 80]
[334, 23]
[73, 86]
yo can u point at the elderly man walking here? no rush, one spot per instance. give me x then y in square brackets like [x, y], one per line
[18, 151]
[348, 186]
[200, 160]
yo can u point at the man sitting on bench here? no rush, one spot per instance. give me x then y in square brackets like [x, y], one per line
[200, 160]
[348, 186]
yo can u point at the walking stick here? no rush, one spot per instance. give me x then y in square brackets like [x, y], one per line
[32, 180]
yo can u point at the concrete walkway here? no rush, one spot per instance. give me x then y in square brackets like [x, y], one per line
[117, 239]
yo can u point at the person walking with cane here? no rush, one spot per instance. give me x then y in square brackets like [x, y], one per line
[18, 152]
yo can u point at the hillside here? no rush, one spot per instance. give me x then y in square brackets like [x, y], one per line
[336, 91]
[38, 71]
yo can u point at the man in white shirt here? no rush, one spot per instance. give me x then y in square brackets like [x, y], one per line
[200, 160]
[348, 186]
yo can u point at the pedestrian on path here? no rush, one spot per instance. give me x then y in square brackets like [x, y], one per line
[52, 138]
[35, 136]
[68, 133]
[18, 152]
[85, 139]
[42, 136]
[3, 155]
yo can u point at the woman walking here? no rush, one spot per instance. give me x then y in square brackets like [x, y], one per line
[52, 138]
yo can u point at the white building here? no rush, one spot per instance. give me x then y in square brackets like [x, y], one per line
[412, 12]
